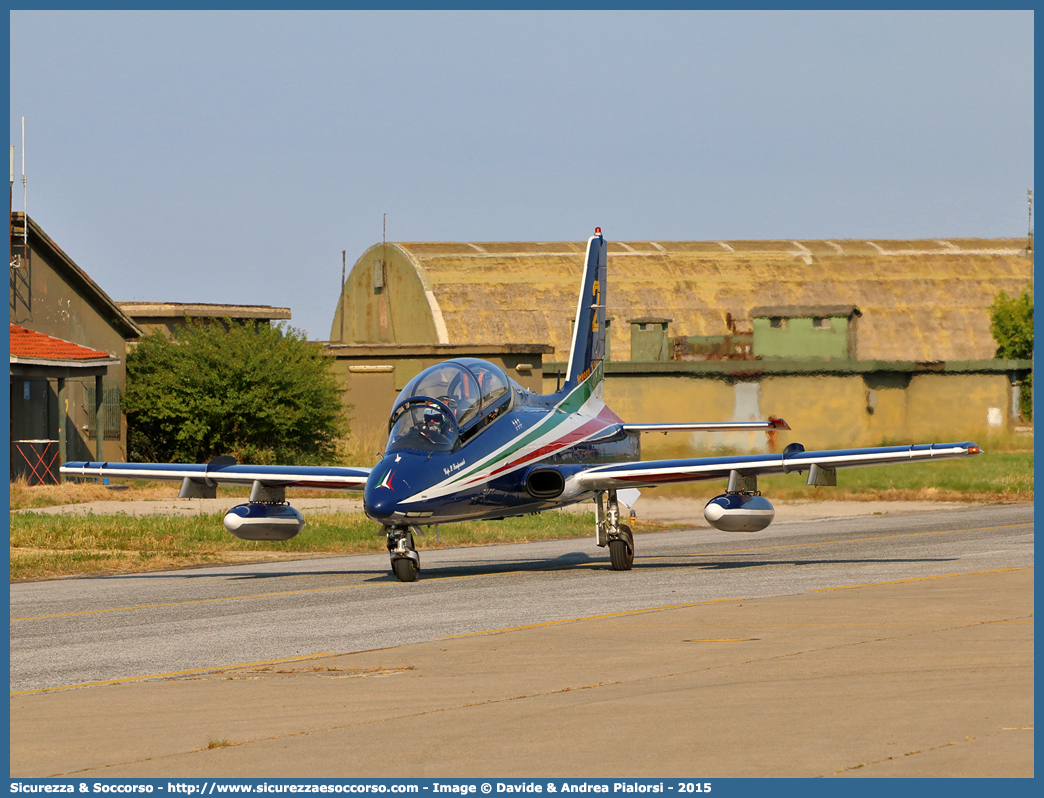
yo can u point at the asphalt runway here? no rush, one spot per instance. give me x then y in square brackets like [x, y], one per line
[73, 632]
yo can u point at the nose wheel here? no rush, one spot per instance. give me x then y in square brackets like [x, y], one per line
[405, 569]
[405, 562]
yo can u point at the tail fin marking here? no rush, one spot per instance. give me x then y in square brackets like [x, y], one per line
[588, 346]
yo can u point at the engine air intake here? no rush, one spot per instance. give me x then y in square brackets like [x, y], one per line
[545, 483]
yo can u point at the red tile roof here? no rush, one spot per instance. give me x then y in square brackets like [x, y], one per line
[29, 344]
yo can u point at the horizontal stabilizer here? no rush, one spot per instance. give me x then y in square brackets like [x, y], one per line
[710, 426]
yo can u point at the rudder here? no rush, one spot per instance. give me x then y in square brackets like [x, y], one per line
[588, 346]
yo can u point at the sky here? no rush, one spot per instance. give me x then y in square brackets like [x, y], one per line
[230, 157]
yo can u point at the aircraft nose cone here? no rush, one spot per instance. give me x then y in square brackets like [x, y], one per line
[379, 499]
[380, 509]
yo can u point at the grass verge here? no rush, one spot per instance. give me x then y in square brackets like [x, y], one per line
[47, 546]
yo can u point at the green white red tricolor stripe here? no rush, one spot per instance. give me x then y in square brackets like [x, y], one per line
[581, 415]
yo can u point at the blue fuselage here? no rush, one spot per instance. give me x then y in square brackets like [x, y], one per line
[519, 463]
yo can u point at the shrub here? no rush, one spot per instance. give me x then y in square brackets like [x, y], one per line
[1011, 322]
[263, 396]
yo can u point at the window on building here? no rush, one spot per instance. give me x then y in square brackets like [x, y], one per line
[111, 414]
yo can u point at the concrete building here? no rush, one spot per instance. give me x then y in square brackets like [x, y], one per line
[167, 317]
[853, 342]
[43, 365]
[60, 398]
[373, 375]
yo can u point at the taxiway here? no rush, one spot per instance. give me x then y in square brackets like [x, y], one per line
[709, 628]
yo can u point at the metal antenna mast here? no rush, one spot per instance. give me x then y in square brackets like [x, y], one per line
[25, 197]
[1029, 200]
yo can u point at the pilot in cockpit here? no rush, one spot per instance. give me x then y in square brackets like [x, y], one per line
[435, 426]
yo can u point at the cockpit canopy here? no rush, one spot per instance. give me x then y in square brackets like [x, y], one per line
[468, 394]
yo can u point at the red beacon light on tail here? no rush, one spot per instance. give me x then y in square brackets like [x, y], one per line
[598, 231]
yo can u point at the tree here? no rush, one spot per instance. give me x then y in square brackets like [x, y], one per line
[1011, 322]
[264, 396]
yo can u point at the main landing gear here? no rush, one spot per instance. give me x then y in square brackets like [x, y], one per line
[405, 562]
[610, 532]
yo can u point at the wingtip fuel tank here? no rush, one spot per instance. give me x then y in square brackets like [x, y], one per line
[259, 521]
[739, 512]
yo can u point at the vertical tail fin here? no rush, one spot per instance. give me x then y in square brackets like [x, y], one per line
[588, 348]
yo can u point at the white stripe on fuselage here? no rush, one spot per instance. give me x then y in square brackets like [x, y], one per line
[484, 469]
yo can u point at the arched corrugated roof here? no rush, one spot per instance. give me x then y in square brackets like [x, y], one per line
[920, 300]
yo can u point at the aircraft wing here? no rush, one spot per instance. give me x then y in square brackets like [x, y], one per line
[224, 471]
[650, 473]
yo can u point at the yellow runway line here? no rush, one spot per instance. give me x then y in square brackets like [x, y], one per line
[590, 618]
[702, 603]
[320, 655]
[919, 579]
[835, 542]
[243, 598]
[184, 603]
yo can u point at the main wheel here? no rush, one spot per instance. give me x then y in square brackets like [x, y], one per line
[405, 569]
[621, 555]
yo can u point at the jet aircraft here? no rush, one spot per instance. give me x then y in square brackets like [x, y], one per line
[466, 442]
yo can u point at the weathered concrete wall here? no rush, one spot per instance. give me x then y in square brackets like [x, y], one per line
[824, 410]
[169, 317]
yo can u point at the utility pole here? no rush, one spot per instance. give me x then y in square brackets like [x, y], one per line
[342, 294]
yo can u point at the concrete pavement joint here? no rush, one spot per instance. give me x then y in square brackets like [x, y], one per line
[569, 689]
[342, 727]
[968, 739]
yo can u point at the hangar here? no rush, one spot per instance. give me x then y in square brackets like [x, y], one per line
[853, 342]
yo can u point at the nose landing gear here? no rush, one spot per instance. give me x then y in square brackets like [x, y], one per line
[405, 561]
